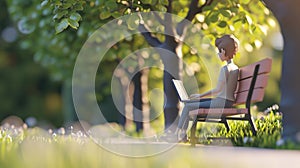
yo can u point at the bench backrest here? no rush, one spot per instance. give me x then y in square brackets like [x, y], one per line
[247, 76]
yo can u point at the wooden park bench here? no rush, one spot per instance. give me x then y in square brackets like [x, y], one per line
[250, 89]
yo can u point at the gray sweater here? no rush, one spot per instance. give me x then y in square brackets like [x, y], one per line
[229, 77]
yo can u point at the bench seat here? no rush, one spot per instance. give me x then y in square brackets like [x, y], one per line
[217, 112]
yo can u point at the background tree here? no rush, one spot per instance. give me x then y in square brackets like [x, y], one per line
[286, 13]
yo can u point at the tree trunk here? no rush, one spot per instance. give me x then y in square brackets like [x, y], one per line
[172, 69]
[121, 85]
[137, 102]
[68, 107]
[171, 53]
[287, 13]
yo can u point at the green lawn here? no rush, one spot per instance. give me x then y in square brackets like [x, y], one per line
[35, 147]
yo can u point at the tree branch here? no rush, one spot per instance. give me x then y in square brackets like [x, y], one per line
[169, 27]
[169, 7]
[269, 3]
[160, 20]
[145, 31]
[193, 10]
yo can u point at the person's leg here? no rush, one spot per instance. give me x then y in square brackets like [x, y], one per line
[221, 103]
[204, 103]
[184, 118]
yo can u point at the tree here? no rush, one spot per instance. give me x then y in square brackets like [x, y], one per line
[244, 18]
[286, 13]
[172, 64]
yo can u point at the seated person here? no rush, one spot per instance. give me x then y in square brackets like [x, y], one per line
[223, 93]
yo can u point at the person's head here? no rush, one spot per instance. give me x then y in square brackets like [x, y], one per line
[227, 46]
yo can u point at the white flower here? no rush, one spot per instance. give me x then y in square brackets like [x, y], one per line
[246, 139]
[280, 142]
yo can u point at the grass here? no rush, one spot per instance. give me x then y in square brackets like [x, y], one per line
[35, 147]
[268, 134]
[269, 128]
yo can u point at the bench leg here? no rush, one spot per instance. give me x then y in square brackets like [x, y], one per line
[224, 121]
[252, 124]
[193, 133]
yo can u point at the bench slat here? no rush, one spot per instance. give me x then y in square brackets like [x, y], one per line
[257, 96]
[217, 112]
[247, 71]
[261, 82]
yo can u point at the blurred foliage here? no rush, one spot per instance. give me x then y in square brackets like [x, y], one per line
[26, 89]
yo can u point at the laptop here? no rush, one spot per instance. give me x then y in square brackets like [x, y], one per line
[182, 94]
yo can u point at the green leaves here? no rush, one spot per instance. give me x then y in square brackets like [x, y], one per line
[75, 16]
[207, 8]
[133, 22]
[104, 15]
[222, 24]
[212, 18]
[111, 5]
[44, 3]
[108, 9]
[245, 1]
[72, 23]
[226, 13]
[249, 19]
[64, 23]
[60, 14]
[146, 1]
[244, 18]
[61, 26]
[66, 14]
[164, 2]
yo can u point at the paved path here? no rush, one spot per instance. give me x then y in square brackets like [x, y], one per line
[210, 156]
[248, 157]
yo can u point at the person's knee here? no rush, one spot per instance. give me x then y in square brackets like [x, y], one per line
[188, 107]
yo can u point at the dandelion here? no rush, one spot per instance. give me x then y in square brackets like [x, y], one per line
[50, 131]
[245, 140]
[79, 134]
[8, 138]
[61, 131]
[71, 129]
[25, 126]
[31, 121]
[280, 142]
[275, 107]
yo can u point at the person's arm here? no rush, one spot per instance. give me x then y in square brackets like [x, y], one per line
[211, 92]
[220, 86]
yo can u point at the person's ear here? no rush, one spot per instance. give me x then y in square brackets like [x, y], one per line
[223, 52]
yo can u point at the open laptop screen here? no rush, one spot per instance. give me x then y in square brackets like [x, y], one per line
[180, 90]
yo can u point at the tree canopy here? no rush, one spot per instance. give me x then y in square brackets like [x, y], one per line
[57, 29]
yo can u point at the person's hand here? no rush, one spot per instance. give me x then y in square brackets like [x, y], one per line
[195, 96]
